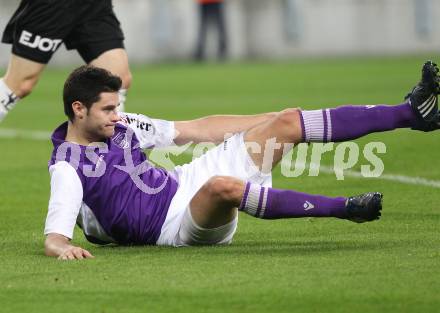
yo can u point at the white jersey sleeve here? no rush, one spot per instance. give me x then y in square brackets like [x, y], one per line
[66, 195]
[150, 132]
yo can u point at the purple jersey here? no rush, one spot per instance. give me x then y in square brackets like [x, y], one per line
[127, 212]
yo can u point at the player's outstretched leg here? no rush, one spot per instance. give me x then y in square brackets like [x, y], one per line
[344, 123]
[215, 204]
[348, 122]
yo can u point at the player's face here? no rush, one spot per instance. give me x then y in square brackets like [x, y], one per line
[102, 116]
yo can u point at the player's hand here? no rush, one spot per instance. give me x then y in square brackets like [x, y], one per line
[75, 253]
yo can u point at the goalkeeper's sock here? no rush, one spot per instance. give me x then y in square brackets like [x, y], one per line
[122, 97]
[270, 203]
[8, 99]
[351, 122]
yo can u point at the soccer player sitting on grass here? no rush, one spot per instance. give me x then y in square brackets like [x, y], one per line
[102, 181]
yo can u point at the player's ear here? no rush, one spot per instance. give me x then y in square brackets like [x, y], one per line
[79, 109]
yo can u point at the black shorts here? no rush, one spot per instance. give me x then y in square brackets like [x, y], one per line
[38, 27]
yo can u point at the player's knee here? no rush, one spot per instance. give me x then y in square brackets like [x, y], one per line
[225, 188]
[288, 120]
[126, 78]
[288, 117]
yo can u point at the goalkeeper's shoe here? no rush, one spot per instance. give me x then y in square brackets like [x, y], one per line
[424, 99]
[364, 208]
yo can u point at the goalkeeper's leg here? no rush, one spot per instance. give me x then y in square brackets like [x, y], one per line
[116, 62]
[20, 78]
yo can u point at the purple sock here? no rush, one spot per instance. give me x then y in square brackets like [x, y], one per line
[351, 122]
[270, 203]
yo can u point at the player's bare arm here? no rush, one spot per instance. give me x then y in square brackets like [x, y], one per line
[59, 246]
[214, 128]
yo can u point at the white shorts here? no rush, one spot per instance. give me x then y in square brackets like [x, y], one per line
[227, 159]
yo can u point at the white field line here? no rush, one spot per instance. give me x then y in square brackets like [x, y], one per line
[409, 180]
[24, 134]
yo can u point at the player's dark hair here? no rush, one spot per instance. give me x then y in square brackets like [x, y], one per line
[85, 85]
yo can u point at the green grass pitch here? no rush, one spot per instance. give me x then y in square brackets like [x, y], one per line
[298, 265]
